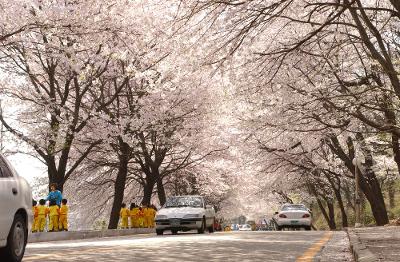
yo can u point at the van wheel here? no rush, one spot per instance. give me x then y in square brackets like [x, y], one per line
[308, 228]
[16, 241]
[159, 232]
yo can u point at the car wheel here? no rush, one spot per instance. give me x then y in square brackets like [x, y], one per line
[16, 241]
[308, 228]
[174, 231]
[159, 232]
[279, 228]
[203, 227]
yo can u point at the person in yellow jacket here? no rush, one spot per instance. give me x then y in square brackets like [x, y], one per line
[153, 216]
[35, 216]
[148, 216]
[140, 216]
[42, 211]
[133, 210]
[63, 222]
[54, 214]
[124, 214]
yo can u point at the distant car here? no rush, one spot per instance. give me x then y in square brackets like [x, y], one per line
[234, 227]
[245, 227]
[293, 216]
[184, 213]
[16, 213]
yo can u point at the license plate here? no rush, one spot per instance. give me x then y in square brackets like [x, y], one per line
[175, 222]
[294, 221]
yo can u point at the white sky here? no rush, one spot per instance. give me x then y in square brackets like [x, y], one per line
[27, 167]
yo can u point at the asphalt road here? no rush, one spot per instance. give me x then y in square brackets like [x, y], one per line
[231, 246]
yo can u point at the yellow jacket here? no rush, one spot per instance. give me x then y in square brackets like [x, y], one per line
[35, 211]
[147, 211]
[124, 212]
[54, 211]
[134, 212]
[42, 210]
[64, 210]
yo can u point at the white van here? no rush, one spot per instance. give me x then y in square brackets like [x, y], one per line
[15, 213]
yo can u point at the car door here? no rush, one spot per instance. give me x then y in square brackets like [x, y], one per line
[8, 198]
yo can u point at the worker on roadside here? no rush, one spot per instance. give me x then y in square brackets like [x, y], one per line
[147, 216]
[132, 215]
[124, 214]
[63, 222]
[42, 211]
[54, 215]
[35, 216]
[153, 216]
[140, 216]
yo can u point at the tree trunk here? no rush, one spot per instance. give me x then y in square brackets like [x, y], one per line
[54, 175]
[391, 193]
[372, 191]
[345, 222]
[368, 182]
[119, 186]
[161, 192]
[148, 189]
[396, 150]
[331, 209]
[336, 186]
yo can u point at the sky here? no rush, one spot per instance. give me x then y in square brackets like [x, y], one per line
[27, 167]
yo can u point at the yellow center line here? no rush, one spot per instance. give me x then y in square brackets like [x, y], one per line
[314, 249]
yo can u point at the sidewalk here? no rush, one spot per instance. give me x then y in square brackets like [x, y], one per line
[375, 243]
[74, 235]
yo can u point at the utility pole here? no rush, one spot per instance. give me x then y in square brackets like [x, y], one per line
[1, 130]
[357, 203]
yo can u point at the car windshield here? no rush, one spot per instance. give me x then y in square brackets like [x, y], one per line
[294, 207]
[184, 202]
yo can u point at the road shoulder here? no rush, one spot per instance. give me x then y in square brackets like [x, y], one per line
[336, 249]
[375, 243]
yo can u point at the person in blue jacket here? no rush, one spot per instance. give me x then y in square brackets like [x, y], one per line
[54, 194]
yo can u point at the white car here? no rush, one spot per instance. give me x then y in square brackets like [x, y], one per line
[16, 213]
[245, 227]
[293, 216]
[184, 213]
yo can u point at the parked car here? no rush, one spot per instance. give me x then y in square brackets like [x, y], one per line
[184, 213]
[293, 216]
[245, 227]
[16, 213]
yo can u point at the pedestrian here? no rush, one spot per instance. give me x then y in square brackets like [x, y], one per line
[147, 216]
[124, 214]
[54, 194]
[153, 211]
[35, 216]
[42, 211]
[63, 222]
[140, 216]
[133, 215]
[54, 214]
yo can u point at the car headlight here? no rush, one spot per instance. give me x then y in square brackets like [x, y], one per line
[191, 216]
[161, 217]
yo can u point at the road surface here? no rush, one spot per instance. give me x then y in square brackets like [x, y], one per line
[230, 246]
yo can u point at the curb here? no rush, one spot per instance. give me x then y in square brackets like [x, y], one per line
[76, 235]
[360, 252]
